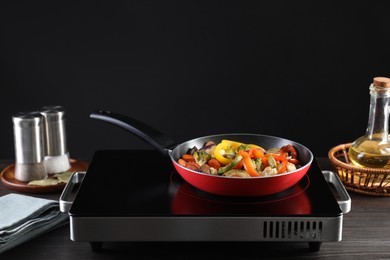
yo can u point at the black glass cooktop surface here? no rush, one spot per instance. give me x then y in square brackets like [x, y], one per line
[122, 183]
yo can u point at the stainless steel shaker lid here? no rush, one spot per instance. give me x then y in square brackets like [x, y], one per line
[27, 119]
[53, 113]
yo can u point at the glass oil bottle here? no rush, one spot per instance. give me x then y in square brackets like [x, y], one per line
[373, 149]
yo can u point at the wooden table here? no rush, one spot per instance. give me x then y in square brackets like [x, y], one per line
[366, 235]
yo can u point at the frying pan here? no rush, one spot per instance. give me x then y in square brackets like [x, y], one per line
[215, 184]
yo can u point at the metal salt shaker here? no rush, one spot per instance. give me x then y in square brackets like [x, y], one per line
[29, 146]
[56, 152]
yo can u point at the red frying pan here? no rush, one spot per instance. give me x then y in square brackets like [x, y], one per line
[216, 184]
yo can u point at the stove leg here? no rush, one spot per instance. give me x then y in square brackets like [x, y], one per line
[96, 246]
[314, 246]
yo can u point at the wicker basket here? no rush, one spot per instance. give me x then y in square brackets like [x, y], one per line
[369, 181]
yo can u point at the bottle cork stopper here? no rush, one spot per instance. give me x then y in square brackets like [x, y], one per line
[382, 82]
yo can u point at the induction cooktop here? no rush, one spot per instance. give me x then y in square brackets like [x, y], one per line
[136, 195]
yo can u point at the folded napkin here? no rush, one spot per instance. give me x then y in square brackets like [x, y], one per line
[23, 218]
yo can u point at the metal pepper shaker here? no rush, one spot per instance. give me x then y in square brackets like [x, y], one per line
[56, 152]
[29, 146]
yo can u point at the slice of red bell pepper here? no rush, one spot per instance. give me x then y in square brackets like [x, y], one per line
[283, 163]
[248, 164]
[256, 153]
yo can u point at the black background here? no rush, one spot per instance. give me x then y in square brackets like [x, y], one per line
[294, 69]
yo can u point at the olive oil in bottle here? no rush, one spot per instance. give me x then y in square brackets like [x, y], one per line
[373, 149]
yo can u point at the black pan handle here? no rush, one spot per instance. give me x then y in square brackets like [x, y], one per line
[147, 133]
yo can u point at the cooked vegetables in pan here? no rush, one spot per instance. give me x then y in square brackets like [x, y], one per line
[235, 159]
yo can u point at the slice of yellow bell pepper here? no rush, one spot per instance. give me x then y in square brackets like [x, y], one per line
[231, 143]
[225, 145]
[256, 146]
[220, 151]
[237, 144]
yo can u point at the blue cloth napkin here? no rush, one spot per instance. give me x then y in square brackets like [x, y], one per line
[23, 218]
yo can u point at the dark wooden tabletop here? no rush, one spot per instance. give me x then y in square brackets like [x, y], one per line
[365, 235]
